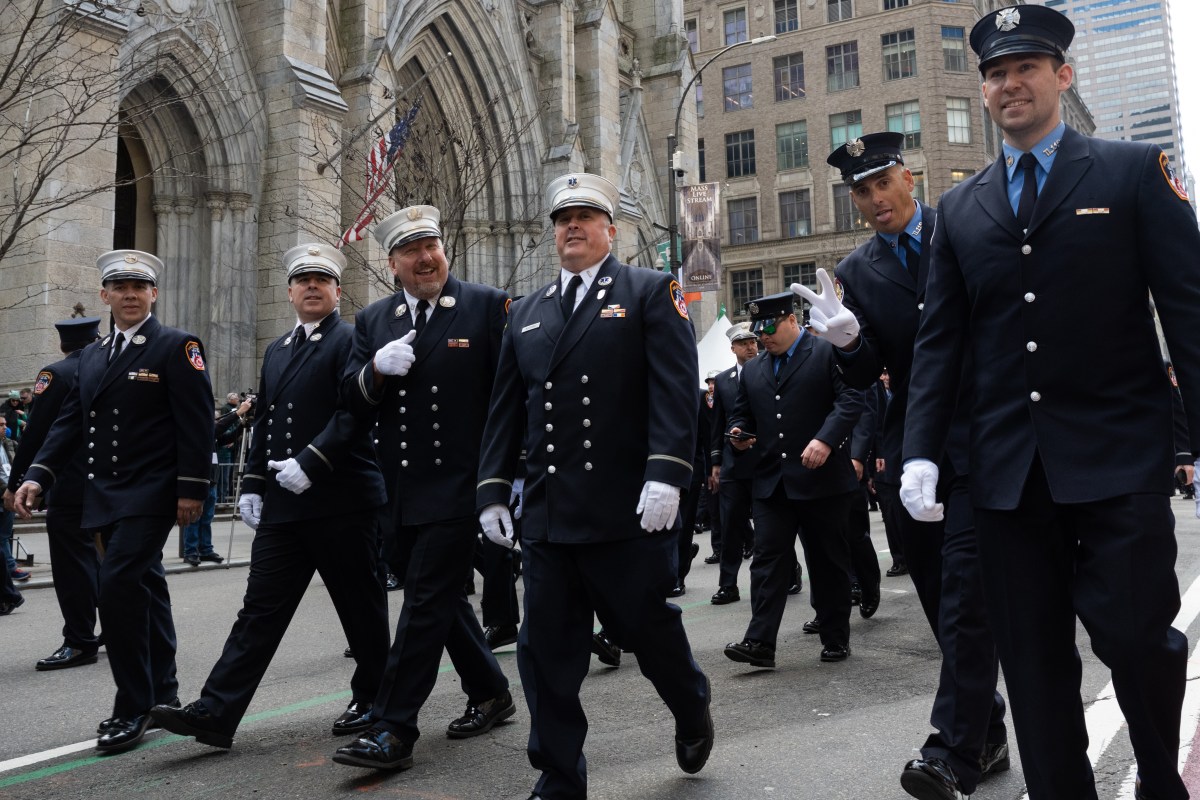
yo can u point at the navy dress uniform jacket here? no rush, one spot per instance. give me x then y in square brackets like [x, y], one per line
[598, 427]
[734, 466]
[53, 385]
[1060, 348]
[145, 422]
[430, 462]
[888, 300]
[786, 420]
[298, 389]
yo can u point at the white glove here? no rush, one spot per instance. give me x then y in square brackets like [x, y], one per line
[918, 490]
[291, 476]
[396, 357]
[658, 505]
[828, 317]
[497, 524]
[518, 494]
[250, 507]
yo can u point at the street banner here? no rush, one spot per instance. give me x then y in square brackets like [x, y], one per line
[700, 208]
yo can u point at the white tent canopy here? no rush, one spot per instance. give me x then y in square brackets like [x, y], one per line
[713, 349]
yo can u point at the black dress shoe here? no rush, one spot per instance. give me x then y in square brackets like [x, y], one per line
[355, 719]
[606, 649]
[751, 652]
[478, 719]
[9, 607]
[106, 725]
[192, 558]
[348, 653]
[869, 603]
[65, 657]
[392, 583]
[678, 590]
[855, 594]
[835, 652]
[193, 720]
[931, 779]
[376, 749]
[726, 594]
[125, 733]
[797, 581]
[695, 551]
[691, 752]
[213, 557]
[715, 558]
[500, 635]
[812, 626]
[994, 759]
[747, 552]
[897, 569]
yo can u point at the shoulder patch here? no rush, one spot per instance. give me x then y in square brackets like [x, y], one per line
[43, 382]
[194, 356]
[1172, 179]
[678, 299]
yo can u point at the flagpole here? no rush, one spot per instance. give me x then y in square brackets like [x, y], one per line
[400, 95]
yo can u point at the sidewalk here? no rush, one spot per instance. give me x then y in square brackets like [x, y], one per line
[231, 539]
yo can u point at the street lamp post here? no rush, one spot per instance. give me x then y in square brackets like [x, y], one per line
[675, 156]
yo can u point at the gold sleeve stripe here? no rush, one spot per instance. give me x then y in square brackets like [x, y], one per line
[321, 456]
[362, 386]
[483, 483]
[658, 457]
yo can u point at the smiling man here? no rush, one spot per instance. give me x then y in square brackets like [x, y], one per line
[141, 408]
[1071, 453]
[596, 383]
[423, 364]
[307, 456]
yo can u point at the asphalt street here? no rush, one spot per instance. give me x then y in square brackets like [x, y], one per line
[803, 730]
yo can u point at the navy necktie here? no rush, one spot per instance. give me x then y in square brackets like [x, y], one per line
[419, 321]
[118, 343]
[912, 259]
[1029, 192]
[780, 362]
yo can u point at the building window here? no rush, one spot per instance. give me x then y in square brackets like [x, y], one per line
[899, 55]
[700, 159]
[739, 154]
[795, 215]
[745, 285]
[791, 145]
[905, 118]
[699, 99]
[735, 26]
[957, 176]
[919, 186]
[739, 87]
[954, 49]
[958, 120]
[845, 127]
[805, 274]
[787, 16]
[845, 213]
[691, 27]
[789, 77]
[888, 5]
[838, 10]
[743, 220]
[841, 62]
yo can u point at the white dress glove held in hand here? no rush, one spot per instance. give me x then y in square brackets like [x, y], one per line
[658, 505]
[918, 490]
[396, 357]
[497, 524]
[291, 476]
[828, 317]
[250, 507]
[518, 496]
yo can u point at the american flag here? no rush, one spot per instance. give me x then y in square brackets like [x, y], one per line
[380, 158]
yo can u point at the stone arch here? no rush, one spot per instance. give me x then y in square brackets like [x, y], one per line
[490, 82]
[201, 127]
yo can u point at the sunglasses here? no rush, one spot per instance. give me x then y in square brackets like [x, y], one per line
[771, 326]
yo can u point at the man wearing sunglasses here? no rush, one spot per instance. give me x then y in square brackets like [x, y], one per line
[795, 409]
